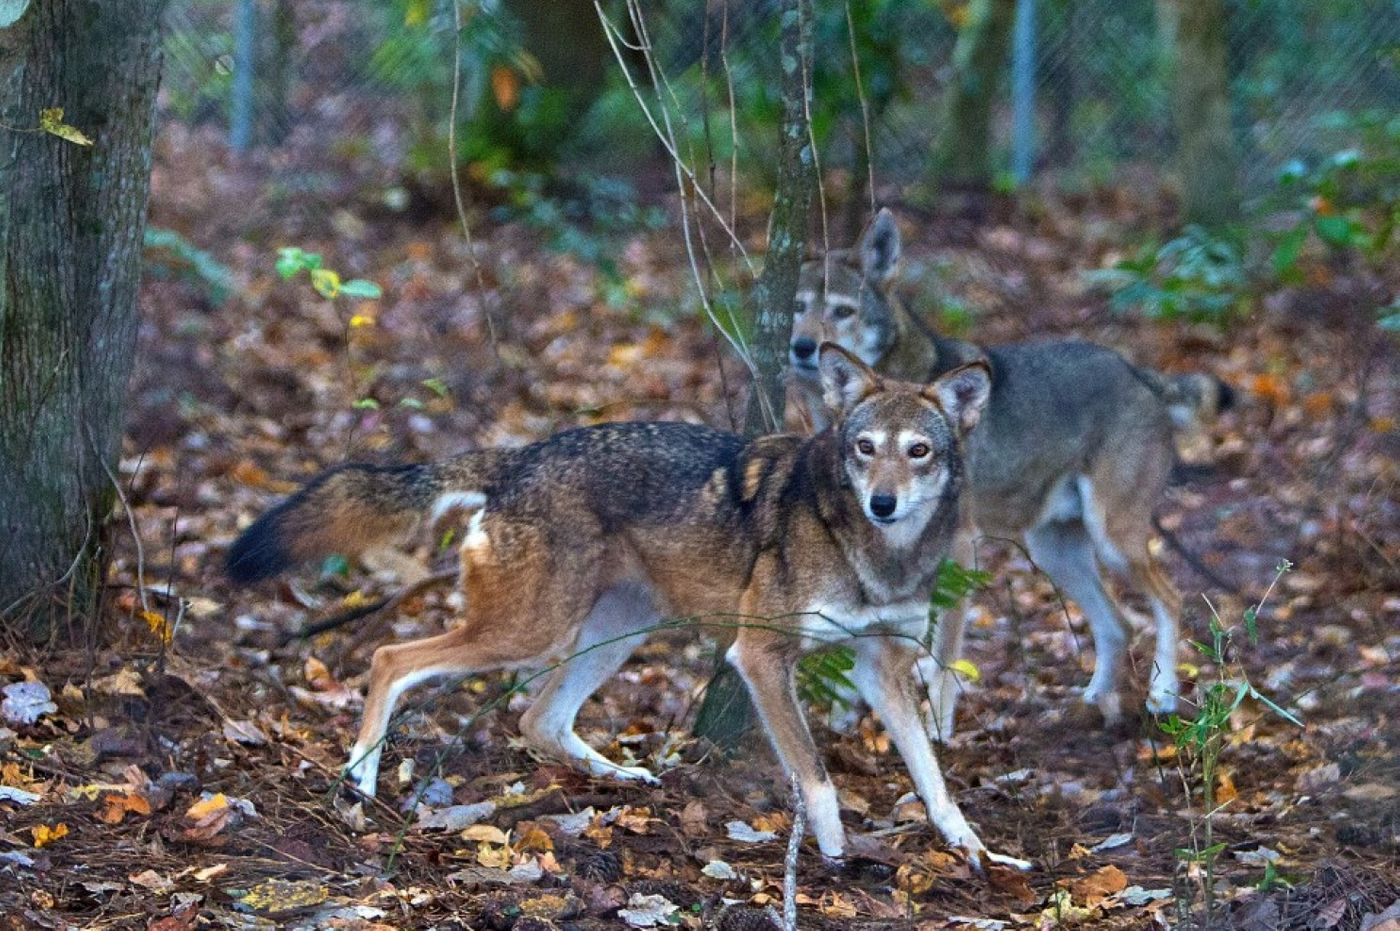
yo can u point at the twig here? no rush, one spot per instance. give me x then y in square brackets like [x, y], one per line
[456, 179]
[1192, 560]
[388, 602]
[799, 825]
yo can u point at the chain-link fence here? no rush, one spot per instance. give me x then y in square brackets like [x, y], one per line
[1084, 88]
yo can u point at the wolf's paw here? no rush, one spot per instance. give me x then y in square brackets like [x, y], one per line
[1108, 702]
[1014, 863]
[1161, 697]
[625, 773]
[362, 771]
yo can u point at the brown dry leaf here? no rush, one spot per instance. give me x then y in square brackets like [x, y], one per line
[119, 806]
[834, 905]
[150, 879]
[534, 840]
[778, 822]
[208, 817]
[1098, 885]
[634, 820]
[505, 87]
[694, 820]
[485, 833]
[1225, 790]
[1013, 883]
[600, 834]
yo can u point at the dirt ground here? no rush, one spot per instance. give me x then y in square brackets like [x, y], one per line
[191, 783]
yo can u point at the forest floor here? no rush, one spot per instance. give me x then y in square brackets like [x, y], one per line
[185, 776]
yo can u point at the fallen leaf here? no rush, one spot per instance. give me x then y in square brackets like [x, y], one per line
[244, 732]
[1099, 885]
[119, 806]
[279, 896]
[718, 869]
[487, 833]
[456, 817]
[150, 879]
[26, 702]
[43, 834]
[647, 911]
[744, 833]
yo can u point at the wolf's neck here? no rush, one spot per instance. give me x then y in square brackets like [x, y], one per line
[920, 354]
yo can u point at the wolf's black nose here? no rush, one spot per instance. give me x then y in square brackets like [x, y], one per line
[804, 347]
[882, 505]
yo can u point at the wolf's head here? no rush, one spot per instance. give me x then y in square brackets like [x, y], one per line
[900, 443]
[843, 298]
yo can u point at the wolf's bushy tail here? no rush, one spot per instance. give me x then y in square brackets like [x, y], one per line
[1193, 400]
[351, 508]
[1196, 399]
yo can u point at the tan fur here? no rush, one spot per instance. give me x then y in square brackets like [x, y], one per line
[588, 540]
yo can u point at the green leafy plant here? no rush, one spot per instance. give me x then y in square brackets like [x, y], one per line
[1200, 740]
[169, 254]
[1197, 276]
[292, 261]
[1348, 203]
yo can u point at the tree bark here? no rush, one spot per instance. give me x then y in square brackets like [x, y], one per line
[726, 713]
[963, 155]
[71, 225]
[1206, 156]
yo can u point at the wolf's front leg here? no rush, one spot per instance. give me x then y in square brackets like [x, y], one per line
[766, 661]
[882, 673]
[944, 683]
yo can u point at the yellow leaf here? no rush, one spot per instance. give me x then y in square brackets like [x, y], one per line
[158, 625]
[43, 834]
[51, 121]
[326, 282]
[1189, 670]
[967, 669]
[493, 856]
[203, 809]
[360, 320]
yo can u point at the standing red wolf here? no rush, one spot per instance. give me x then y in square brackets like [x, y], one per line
[581, 544]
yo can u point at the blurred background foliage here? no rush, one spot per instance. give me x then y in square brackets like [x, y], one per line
[1072, 95]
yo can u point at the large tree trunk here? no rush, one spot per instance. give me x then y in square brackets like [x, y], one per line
[1200, 87]
[726, 713]
[71, 224]
[963, 155]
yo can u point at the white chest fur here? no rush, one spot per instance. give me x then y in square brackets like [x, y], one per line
[834, 621]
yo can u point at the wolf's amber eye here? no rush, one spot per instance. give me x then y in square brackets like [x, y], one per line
[918, 451]
[865, 447]
[842, 311]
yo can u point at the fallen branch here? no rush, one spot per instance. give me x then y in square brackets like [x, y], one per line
[386, 603]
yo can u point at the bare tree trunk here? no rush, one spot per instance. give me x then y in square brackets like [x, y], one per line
[71, 224]
[726, 713]
[1206, 156]
[963, 156]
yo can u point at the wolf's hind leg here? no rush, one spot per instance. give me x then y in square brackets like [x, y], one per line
[1065, 551]
[882, 673]
[615, 627]
[398, 667]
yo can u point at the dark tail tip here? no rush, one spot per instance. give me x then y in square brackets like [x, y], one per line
[1226, 397]
[259, 552]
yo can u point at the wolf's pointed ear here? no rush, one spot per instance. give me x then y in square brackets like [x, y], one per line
[963, 392]
[845, 379]
[880, 247]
